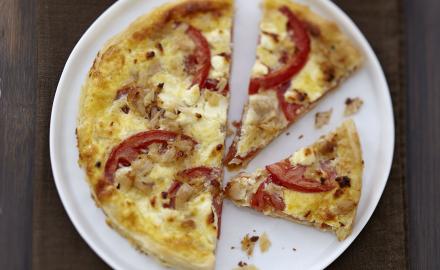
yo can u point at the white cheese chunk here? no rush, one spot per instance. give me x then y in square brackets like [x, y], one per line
[220, 66]
[161, 173]
[259, 69]
[267, 42]
[304, 156]
[220, 39]
[192, 95]
[309, 81]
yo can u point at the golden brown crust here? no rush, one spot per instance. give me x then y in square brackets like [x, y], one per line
[105, 119]
[333, 58]
[334, 210]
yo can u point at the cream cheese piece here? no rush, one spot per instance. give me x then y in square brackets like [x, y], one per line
[192, 95]
[259, 69]
[220, 67]
[309, 81]
[267, 42]
[305, 156]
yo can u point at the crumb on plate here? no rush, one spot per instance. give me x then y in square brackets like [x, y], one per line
[264, 242]
[245, 266]
[236, 124]
[352, 106]
[248, 244]
[322, 118]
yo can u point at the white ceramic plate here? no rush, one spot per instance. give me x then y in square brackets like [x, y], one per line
[314, 249]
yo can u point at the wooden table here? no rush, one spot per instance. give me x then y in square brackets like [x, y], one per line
[35, 40]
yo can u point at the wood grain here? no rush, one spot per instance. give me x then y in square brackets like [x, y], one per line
[56, 244]
[423, 72]
[17, 108]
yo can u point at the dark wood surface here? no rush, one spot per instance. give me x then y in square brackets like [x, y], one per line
[382, 242]
[27, 191]
[18, 80]
[423, 132]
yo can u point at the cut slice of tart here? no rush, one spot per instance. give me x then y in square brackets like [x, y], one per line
[319, 185]
[300, 58]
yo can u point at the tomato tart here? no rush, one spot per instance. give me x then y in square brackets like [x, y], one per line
[152, 126]
[319, 185]
[300, 58]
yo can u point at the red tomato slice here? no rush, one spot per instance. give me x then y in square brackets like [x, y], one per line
[262, 199]
[299, 35]
[231, 154]
[290, 110]
[292, 177]
[202, 55]
[130, 148]
[171, 193]
[202, 171]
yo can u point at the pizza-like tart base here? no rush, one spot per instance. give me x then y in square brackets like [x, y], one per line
[151, 130]
[300, 58]
[319, 185]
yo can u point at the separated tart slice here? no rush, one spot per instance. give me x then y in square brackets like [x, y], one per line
[300, 58]
[319, 185]
[151, 130]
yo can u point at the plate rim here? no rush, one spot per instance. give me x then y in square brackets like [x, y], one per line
[114, 8]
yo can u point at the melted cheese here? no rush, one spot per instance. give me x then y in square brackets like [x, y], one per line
[174, 92]
[330, 210]
[104, 122]
[310, 80]
[274, 22]
[161, 173]
[267, 42]
[259, 69]
[305, 156]
[203, 122]
[220, 67]
[331, 59]
[262, 121]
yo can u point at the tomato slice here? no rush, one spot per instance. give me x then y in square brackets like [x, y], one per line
[232, 152]
[171, 193]
[212, 176]
[290, 110]
[262, 199]
[292, 177]
[298, 33]
[202, 171]
[202, 56]
[130, 148]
